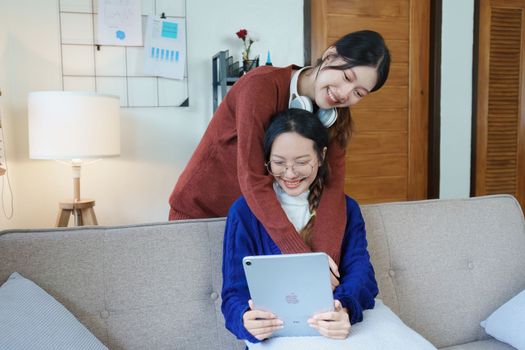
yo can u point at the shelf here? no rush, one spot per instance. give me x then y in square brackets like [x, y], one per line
[225, 72]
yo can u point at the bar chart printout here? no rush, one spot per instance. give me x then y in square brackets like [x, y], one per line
[165, 47]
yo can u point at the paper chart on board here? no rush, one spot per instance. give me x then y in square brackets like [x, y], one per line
[165, 47]
[119, 22]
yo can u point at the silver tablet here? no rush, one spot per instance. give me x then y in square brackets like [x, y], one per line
[293, 286]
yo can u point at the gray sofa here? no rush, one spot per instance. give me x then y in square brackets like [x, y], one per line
[442, 266]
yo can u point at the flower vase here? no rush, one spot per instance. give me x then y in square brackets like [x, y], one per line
[248, 65]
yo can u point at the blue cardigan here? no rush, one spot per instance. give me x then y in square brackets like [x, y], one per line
[244, 235]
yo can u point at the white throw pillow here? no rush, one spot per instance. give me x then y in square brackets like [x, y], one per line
[32, 319]
[381, 329]
[506, 323]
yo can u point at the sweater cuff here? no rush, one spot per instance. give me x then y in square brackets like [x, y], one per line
[355, 310]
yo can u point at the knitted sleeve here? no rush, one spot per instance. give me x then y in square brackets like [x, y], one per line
[331, 214]
[235, 293]
[255, 104]
[358, 285]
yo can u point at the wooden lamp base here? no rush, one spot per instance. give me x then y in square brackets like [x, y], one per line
[81, 210]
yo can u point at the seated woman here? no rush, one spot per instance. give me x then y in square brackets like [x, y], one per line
[295, 148]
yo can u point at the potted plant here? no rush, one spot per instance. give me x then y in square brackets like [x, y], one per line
[248, 40]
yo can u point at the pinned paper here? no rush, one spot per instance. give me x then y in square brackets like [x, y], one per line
[165, 47]
[119, 22]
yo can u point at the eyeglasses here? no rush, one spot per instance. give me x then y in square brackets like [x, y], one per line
[278, 168]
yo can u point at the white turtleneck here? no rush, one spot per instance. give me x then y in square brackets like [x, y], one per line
[295, 207]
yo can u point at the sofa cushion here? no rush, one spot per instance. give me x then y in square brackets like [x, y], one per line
[30, 319]
[148, 286]
[380, 329]
[443, 265]
[491, 344]
[506, 323]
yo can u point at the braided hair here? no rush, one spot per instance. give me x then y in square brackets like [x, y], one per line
[309, 126]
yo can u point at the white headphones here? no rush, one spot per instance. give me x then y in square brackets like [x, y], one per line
[326, 116]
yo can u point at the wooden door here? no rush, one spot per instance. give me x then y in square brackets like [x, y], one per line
[500, 123]
[387, 158]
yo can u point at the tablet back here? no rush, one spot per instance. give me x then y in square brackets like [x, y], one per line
[293, 286]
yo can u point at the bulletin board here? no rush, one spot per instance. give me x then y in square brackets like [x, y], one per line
[115, 70]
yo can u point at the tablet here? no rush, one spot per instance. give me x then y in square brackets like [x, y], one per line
[292, 286]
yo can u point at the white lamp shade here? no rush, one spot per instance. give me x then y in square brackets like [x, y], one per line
[73, 125]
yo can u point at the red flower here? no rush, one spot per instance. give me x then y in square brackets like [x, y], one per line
[241, 34]
[247, 42]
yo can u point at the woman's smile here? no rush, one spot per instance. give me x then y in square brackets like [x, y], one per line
[332, 97]
[291, 184]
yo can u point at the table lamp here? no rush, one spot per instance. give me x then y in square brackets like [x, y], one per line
[73, 126]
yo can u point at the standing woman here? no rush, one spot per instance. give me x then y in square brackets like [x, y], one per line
[229, 160]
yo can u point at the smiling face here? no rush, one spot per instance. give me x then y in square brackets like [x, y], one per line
[341, 88]
[296, 162]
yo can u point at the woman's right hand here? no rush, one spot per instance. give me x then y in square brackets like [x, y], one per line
[261, 324]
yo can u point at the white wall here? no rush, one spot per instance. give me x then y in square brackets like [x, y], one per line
[456, 98]
[156, 142]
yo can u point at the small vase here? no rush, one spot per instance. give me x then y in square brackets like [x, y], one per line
[248, 65]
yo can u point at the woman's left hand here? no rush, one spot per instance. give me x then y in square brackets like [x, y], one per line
[334, 324]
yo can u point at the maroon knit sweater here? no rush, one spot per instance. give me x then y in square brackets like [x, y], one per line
[229, 161]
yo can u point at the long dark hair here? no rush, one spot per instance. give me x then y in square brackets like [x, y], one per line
[309, 126]
[361, 48]
[364, 48]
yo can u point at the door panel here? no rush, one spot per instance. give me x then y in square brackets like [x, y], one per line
[378, 143]
[397, 75]
[384, 120]
[377, 165]
[377, 189]
[500, 125]
[375, 8]
[387, 97]
[389, 27]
